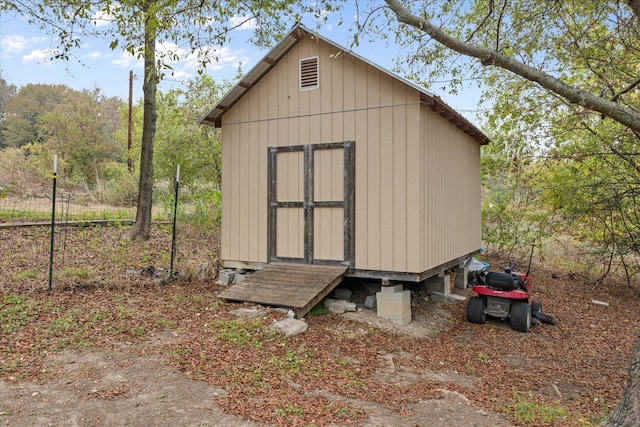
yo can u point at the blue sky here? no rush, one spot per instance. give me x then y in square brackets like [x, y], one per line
[25, 52]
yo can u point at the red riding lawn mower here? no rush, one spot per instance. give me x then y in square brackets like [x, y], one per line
[506, 295]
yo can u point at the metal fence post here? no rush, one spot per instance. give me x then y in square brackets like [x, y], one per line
[173, 234]
[53, 220]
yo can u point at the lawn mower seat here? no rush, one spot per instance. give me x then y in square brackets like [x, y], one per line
[503, 281]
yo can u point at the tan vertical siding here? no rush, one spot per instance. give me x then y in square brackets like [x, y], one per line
[363, 165]
[268, 132]
[289, 173]
[376, 242]
[328, 224]
[272, 102]
[384, 197]
[414, 190]
[337, 88]
[350, 82]
[234, 236]
[417, 176]
[328, 186]
[304, 130]
[283, 88]
[372, 183]
[328, 175]
[290, 226]
[452, 202]
[290, 222]
[252, 171]
[227, 191]
[244, 196]
[398, 118]
[363, 239]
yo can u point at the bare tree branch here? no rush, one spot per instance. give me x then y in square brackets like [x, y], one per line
[622, 114]
[500, 16]
[482, 23]
[629, 88]
[624, 157]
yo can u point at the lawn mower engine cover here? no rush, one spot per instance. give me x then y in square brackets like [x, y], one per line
[504, 281]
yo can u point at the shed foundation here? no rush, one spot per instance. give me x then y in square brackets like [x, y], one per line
[442, 288]
[462, 276]
[394, 304]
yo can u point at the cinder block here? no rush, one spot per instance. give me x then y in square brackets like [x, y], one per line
[394, 306]
[462, 277]
[440, 283]
[458, 298]
[391, 289]
[439, 296]
[226, 276]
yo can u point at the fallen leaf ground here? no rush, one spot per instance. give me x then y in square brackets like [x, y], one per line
[569, 374]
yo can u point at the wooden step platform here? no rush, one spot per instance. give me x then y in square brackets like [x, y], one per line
[299, 286]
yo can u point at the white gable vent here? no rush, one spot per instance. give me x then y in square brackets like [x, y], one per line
[309, 73]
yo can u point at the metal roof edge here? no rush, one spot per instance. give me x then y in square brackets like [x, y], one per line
[288, 39]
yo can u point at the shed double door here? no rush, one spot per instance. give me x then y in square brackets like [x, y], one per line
[311, 203]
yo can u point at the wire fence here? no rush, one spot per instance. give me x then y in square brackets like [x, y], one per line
[69, 207]
[79, 247]
[27, 208]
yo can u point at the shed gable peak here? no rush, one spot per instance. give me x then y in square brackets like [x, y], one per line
[312, 80]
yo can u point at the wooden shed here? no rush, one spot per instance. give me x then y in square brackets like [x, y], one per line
[328, 158]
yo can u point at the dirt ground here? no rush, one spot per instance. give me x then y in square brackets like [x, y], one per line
[113, 345]
[121, 388]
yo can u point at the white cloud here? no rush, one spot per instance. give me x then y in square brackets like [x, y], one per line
[39, 56]
[11, 44]
[96, 54]
[243, 23]
[183, 68]
[15, 44]
[229, 57]
[224, 60]
[126, 60]
[188, 63]
[221, 58]
[101, 18]
[166, 50]
[181, 75]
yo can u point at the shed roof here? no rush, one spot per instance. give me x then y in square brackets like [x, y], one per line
[214, 116]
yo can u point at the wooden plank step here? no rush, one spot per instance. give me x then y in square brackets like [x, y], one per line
[299, 286]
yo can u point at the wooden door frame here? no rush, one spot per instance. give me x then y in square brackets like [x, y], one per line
[348, 204]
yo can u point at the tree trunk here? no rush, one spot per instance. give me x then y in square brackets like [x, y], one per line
[141, 230]
[627, 413]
